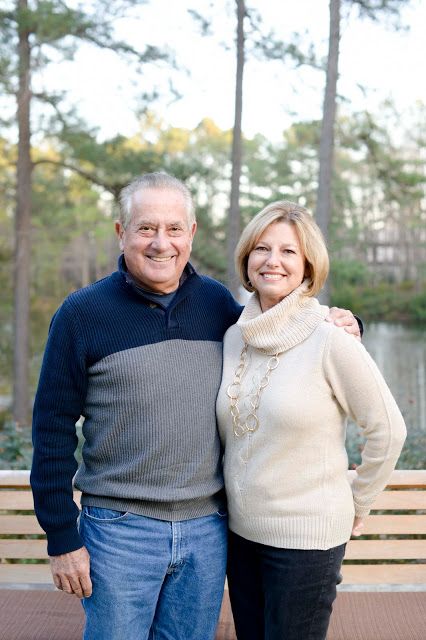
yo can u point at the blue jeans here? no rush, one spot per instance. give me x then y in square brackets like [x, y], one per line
[153, 579]
[281, 594]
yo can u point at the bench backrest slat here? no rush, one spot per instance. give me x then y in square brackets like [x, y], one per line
[21, 499]
[400, 500]
[386, 550]
[19, 525]
[23, 548]
[28, 574]
[395, 524]
[383, 574]
[391, 551]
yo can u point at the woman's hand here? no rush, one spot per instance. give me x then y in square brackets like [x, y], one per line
[357, 527]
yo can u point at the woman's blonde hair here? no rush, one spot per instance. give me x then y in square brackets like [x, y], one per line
[310, 238]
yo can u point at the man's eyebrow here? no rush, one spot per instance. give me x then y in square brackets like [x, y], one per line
[151, 223]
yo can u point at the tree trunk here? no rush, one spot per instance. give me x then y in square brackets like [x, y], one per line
[326, 149]
[22, 231]
[84, 259]
[234, 208]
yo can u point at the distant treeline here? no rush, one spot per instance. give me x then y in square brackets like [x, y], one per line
[377, 237]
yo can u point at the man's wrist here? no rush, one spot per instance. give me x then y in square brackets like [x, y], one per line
[64, 541]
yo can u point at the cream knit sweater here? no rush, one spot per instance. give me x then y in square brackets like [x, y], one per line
[287, 482]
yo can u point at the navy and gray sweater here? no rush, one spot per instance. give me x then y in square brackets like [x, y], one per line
[145, 378]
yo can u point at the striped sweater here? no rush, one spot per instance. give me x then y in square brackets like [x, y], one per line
[145, 378]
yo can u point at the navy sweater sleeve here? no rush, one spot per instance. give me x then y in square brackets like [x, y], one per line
[58, 405]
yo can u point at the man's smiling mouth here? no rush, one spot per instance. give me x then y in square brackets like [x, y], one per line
[160, 258]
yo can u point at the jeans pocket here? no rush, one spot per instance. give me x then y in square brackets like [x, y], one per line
[222, 513]
[100, 514]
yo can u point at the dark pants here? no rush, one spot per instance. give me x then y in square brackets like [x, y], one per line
[281, 594]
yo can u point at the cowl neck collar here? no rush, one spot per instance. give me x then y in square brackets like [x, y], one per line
[283, 326]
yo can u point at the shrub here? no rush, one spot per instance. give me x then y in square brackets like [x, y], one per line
[15, 446]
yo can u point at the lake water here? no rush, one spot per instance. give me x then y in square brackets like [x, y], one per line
[400, 353]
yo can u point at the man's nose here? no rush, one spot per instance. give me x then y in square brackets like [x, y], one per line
[160, 241]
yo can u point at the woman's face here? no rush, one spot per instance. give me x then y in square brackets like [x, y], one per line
[276, 264]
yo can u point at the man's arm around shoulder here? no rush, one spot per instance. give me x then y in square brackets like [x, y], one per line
[346, 319]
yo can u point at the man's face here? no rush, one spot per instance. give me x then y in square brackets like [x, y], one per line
[158, 239]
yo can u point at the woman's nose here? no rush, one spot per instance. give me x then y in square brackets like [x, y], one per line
[273, 257]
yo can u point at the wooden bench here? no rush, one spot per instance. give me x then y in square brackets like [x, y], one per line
[382, 597]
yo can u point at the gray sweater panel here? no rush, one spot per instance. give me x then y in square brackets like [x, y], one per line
[151, 442]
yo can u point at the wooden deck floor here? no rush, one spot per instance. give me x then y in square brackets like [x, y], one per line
[52, 615]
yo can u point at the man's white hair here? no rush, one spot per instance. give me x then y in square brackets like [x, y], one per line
[157, 180]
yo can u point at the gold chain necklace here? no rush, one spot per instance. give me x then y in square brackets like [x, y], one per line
[251, 423]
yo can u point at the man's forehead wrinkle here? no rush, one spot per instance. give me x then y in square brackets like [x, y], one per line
[158, 222]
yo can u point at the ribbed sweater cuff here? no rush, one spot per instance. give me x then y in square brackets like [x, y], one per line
[360, 511]
[64, 541]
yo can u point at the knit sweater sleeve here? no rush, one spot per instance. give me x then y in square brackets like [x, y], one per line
[364, 396]
[58, 405]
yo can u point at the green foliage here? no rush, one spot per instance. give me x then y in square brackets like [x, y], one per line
[15, 446]
[110, 164]
[54, 27]
[413, 452]
[77, 178]
[412, 455]
[53, 23]
[348, 272]
[6, 255]
[380, 10]
[417, 306]
[384, 301]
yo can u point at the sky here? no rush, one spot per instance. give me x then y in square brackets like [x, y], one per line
[376, 63]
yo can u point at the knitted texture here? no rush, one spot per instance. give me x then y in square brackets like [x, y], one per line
[287, 482]
[145, 378]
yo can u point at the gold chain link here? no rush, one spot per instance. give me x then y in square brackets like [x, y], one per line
[251, 423]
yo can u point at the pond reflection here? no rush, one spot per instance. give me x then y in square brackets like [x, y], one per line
[400, 354]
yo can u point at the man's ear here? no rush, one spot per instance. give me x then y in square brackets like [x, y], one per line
[119, 230]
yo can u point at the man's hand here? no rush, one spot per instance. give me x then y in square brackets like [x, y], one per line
[357, 527]
[346, 319]
[71, 572]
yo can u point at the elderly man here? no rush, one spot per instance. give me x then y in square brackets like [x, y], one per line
[139, 355]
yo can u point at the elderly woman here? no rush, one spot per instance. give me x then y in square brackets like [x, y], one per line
[289, 382]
